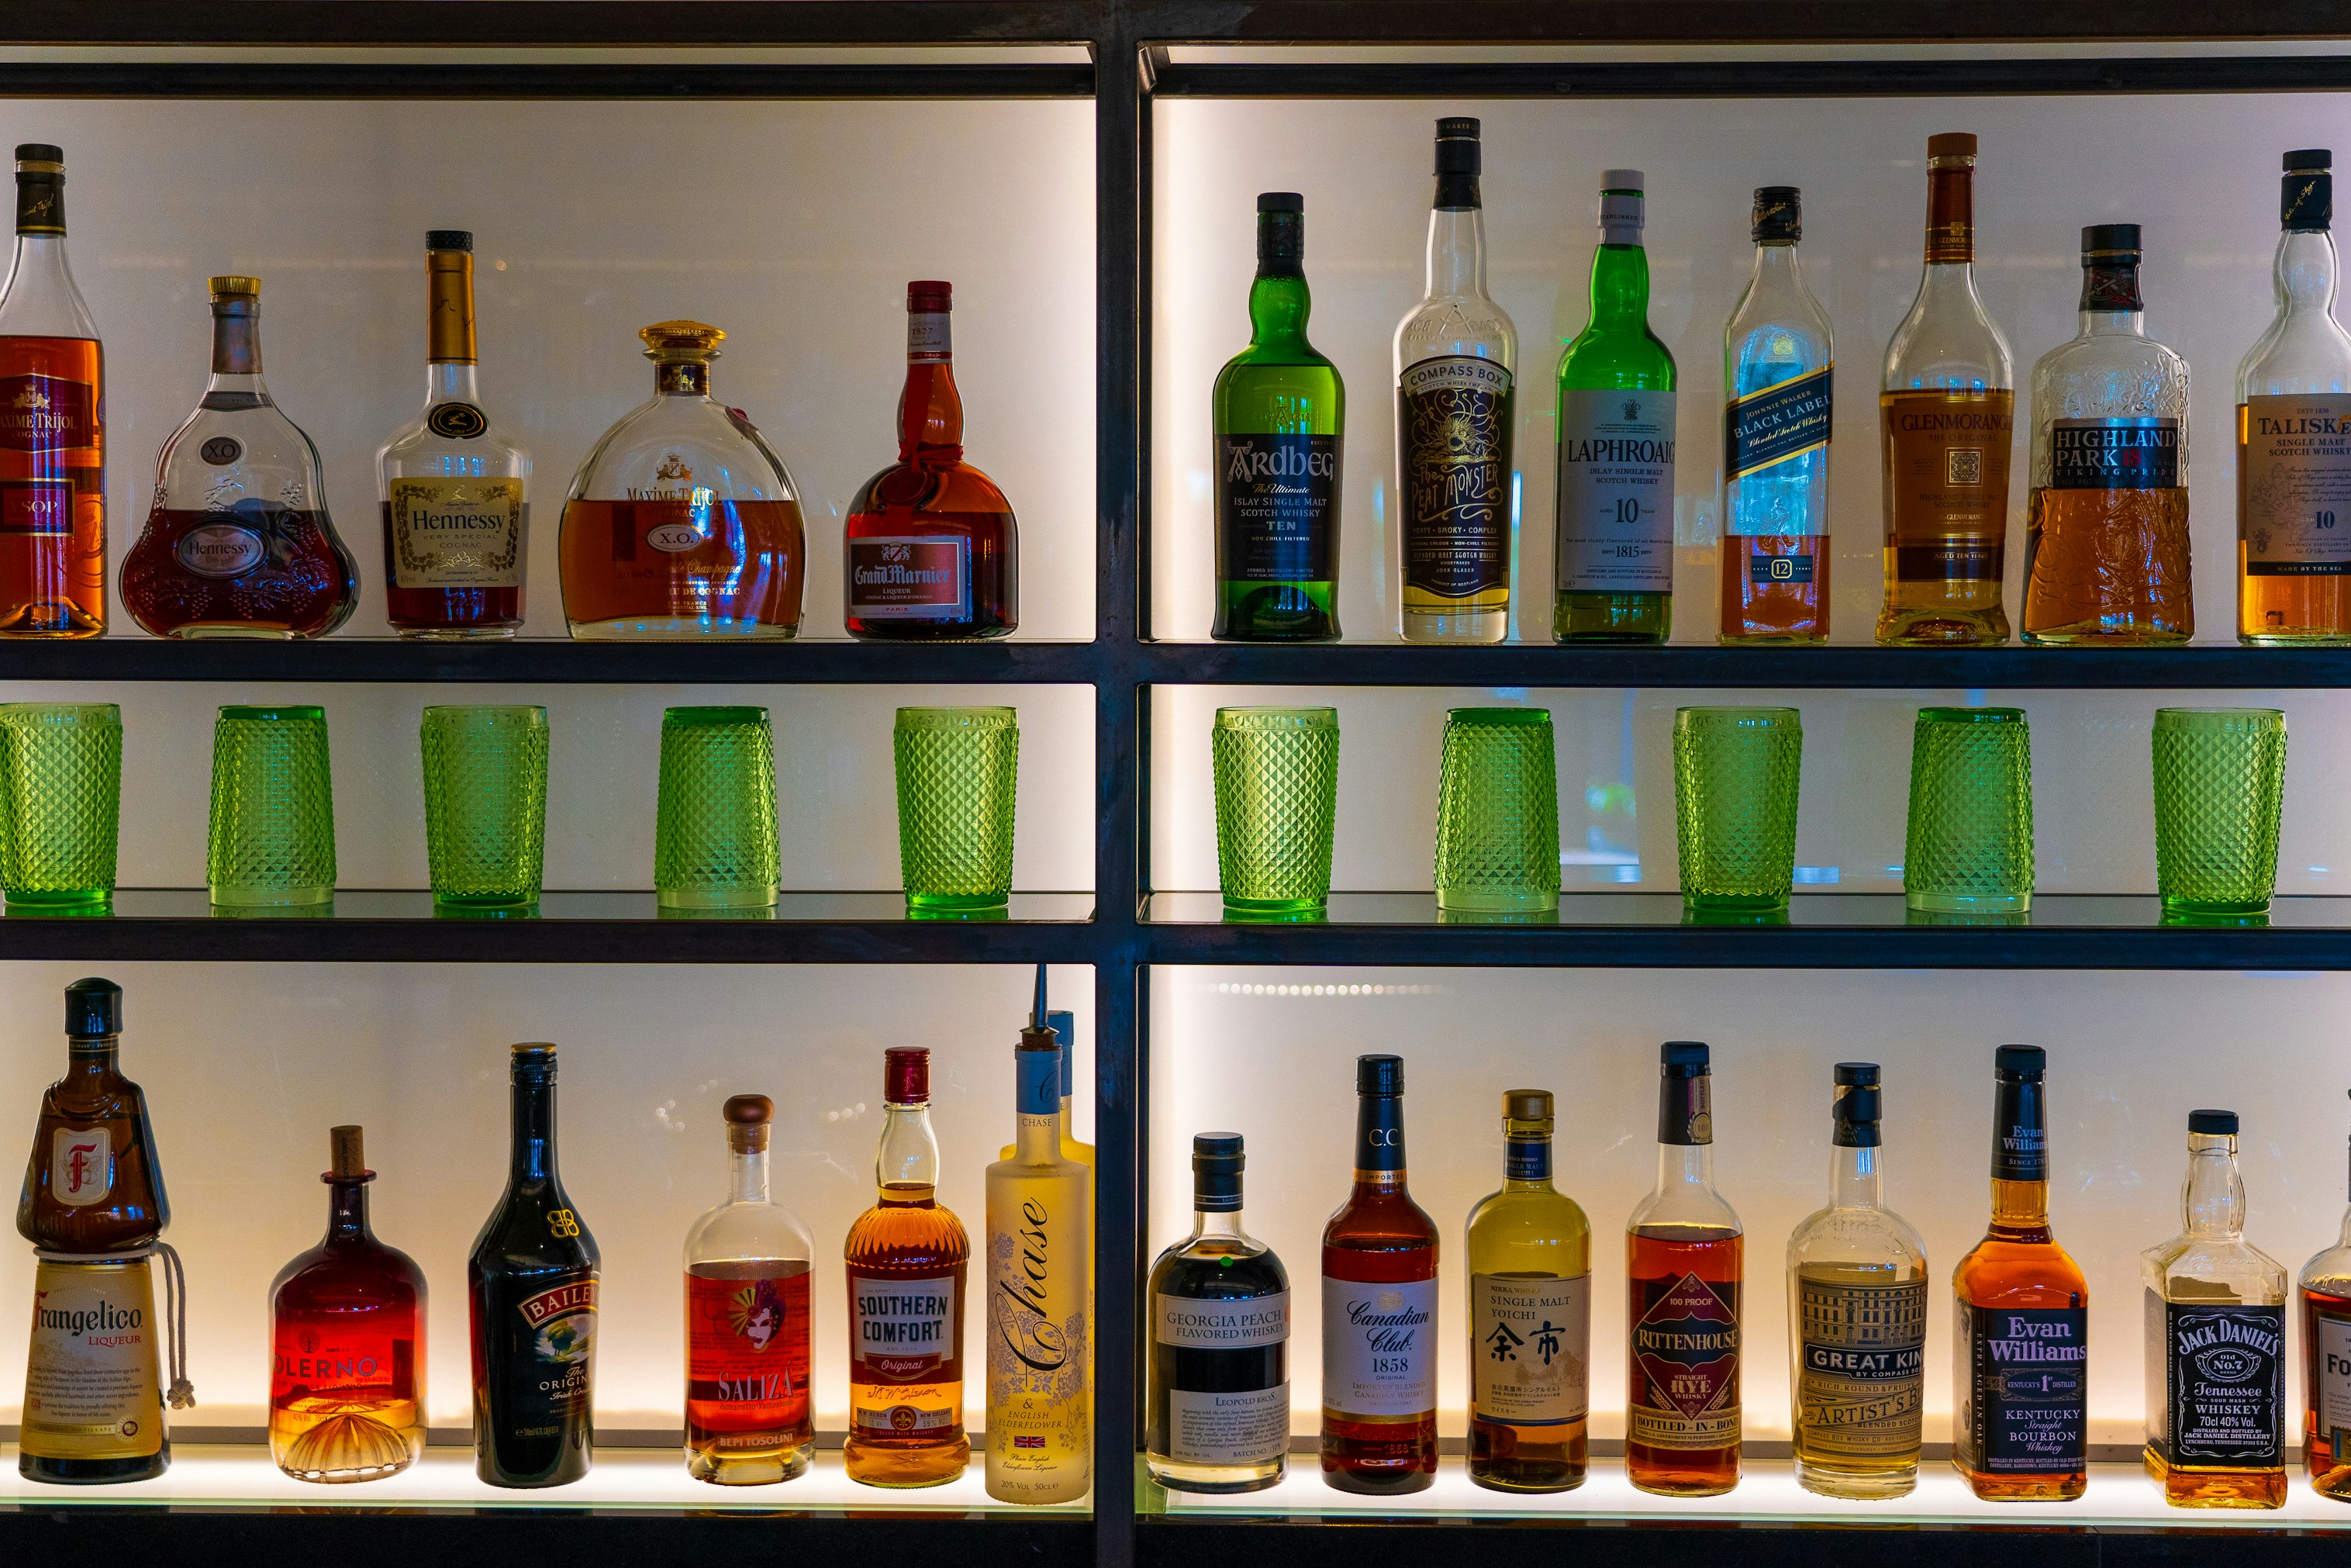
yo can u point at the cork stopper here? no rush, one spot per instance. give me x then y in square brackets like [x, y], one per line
[347, 1153]
[748, 1116]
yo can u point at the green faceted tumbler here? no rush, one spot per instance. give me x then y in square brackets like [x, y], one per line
[957, 769]
[2219, 790]
[1970, 847]
[1735, 776]
[271, 839]
[1277, 803]
[485, 803]
[715, 844]
[61, 801]
[1497, 812]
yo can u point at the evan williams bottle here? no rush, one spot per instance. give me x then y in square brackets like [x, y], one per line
[52, 424]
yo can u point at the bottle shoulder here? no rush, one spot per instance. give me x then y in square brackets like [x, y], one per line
[417, 452]
[1457, 327]
[2304, 351]
[1998, 1272]
[1876, 1237]
[370, 1270]
[1604, 358]
[680, 449]
[1379, 1222]
[1946, 342]
[1219, 1269]
[534, 1230]
[749, 1230]
[219, 456]
[889, 1231]
[912, 491]
[2192, 1267]
[1680, 1205]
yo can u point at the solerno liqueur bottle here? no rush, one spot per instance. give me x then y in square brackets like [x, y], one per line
[52, 424]
[1280, 413]
[2326, 1290]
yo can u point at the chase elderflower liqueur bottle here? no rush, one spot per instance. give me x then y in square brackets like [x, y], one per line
[1529, 1249]
[52, 424]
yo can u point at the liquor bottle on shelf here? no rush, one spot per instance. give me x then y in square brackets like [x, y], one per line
[93, 1184]
[1281, 414]
[2215, 1341]
[931, 552]
[906, 1258]
[237, 541]
[1457, 358]
[1947, 413]
[682, 522]
[346, 1333]
[1530, 1248]
[2326, 1290]
[1379, 1308]
[2021, 1308]
[2294, 434]
[1777, 364]
[1857, 1312]
[1684, 1261]
[52, 424]
[1216, 1412]
[2105, 530]
[1064, 1026]
[1615, 542]
[456, 517]
[530, 1287]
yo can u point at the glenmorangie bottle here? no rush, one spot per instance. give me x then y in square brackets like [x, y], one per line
[1529, 1249]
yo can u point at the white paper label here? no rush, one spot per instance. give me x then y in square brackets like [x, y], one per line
[2333, 1377]
[902, 1326]
[1379, 1347]
[1531, 1348]
[926, 336]
[1615, 492]
[1239, 1429]
[1224, 1325]
[81, 1165]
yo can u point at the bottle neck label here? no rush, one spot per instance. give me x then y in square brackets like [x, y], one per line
[928, 341]
[41, 204]
[1037, 1082]
[2020, 1136]
[1620, 217]
[2111, 288]
[2307, 203]
[1686, 1110]
[449, 309]
[1379, 1132]
[1950, 216]
[1527, 1159]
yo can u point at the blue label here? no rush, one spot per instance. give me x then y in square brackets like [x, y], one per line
[1762, 569]
[1527, 1159]
[1038, 1091]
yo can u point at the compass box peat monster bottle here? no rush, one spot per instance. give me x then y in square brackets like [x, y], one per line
[52, 424]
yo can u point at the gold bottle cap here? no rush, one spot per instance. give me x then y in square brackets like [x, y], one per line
[234, 287]
[1527, 1105]
[669, 342]
[347, 1151]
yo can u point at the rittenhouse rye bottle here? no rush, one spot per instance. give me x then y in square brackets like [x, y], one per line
[52, 424]
[1280, 413]
[1857, 1317]
[1684, 1256]
[2020, 1311]
[2325, 1291]
[1379, 1308]
[1216, 1412]
[530, 1287]
[1530, 1248]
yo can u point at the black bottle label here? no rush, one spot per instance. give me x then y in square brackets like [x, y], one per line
[551, 1337]
[2224, 1382]
[2114, 455]
[2024, 1409]
[1453, 432]
[1277, 507]
[1768, 428]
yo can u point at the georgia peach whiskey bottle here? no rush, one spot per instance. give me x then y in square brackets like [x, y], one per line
[52, 424]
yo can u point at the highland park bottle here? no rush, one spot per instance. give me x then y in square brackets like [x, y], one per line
[455, 515]
[2324, 1288]
[52, 424]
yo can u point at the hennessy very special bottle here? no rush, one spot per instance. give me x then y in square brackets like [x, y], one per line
[52, 424]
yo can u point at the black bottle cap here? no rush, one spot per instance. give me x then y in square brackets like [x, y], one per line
[448, 239]
[2305, 159]
[1854, 1073]
[2110, 244]
[2020, 1061]
[1858, 1104]
[93, 1007]
[1217, 1166]
[1779, 214]
[1684, 1058]
[40, 152]
[1280, 201]
[1379, 1075]
[2213, 1124]
[2306, 192]
[1458, 151]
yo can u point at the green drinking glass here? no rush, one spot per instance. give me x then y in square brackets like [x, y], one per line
[271, 838]
[957, 769]
[2219, 790]
[1497, 812]
[1276, 772]
[485, 803]
[61, 801]
[715, 841]
[1735, 778]
[1970, 845]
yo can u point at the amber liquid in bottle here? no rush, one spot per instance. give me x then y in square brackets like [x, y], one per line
[741, 566]
[92, 1184]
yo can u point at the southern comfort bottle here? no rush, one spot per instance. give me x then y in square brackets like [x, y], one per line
[52, 424]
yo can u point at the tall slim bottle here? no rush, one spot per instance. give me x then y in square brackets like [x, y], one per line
[52, 424]
[1457, 358]
[1064, 1026]
[2325, 1287]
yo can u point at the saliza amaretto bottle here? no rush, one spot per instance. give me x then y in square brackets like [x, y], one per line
[1379, 1308]
[747, 1418]
[2105, 528]
[906, 1260]
[455, 516]
[52, 424]
[2215, 1341]
[237, 541]
[1777, 364]
[1280, 413]
[1858, 1316]
[931, 552]
[347, 1338]
[530, 1288]
[2020, 1387]
[1613, 561]
[1947, 415]
[1685, 1260]
[1456, 358]
[2294, 433]
[682, 522]
[1530, 1248]
[1217, 1408]
[2325, 1291]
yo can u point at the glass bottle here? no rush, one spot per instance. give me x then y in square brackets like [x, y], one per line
[1379, 1308]
[748, 1419]
[1857, 1309]
[1684, 1261]
[682, 522]
[237, 541]
[1777, 364]
[931, 552]
[52, 424]
[1529, 1249]
[532, 1287]
[1457, 358]
[1217, 1410]
[2294, 434]
[1064, 1026]
[347, 1330]
[1947, 412]
[2021, 1317]
[906, 1258]
[2325, 1291]
[2215, 1341]
[457, 515]
[93, 1184]
[1281, 414]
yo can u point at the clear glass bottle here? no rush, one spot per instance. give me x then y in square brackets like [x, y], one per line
[2326, 1290]
[1858, 1316]
[1457, 358]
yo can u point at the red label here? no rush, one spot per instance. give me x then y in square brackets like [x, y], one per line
[746, 1353]
[580, 1296]
[1685, 1346]
[36, 507]
[43, 413]
[924, 579]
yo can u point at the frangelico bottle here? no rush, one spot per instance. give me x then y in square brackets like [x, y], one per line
[92, 1184]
